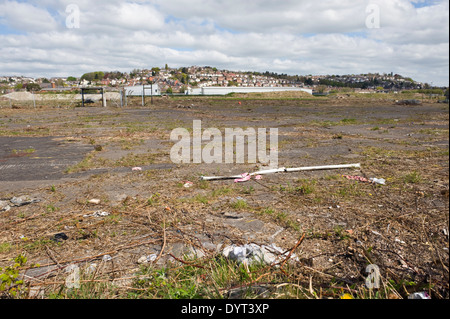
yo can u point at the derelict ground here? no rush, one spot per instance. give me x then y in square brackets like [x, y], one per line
[67, 156]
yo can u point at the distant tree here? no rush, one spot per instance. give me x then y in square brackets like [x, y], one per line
[155, 71]
[45, 80]
[33, 87]
[309, 81]
[167, 67]
[71, 79]
[93, 76]
[19, 86]
[169, 90]
[135, 72]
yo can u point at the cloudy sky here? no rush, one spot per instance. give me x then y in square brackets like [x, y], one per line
[68, 38]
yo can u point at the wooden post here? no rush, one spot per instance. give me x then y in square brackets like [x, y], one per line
[82, 97]
[103, 98]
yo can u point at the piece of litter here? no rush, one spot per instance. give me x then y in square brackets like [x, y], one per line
[4, 206]
[147, 259]
[94, 201]
[188, 184]
[91, 269]
[258, 177]
[419, 295]
[98, 214]
[251, 253]
[356, 178]
[376, 233]
[23, 200]
[137, 169]
[60, 237]
[244, 178]
[106, 258]
[379, 181]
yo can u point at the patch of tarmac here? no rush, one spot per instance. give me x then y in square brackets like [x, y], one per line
[34, 161]
[38, 158]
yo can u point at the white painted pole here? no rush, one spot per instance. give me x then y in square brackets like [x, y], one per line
[284, 170]
[316, 168]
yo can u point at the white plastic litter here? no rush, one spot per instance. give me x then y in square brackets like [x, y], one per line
[147, 259]
[4, 206]
[106, 258]
[252, 253]
[98, 214]
[419, 295]
[380, 181]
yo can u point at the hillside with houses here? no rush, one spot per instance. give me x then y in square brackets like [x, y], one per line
[178, 80]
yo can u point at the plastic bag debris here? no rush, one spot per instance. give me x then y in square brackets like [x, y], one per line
[98, 214]
[137, 169]
[94, 201]
[147, 259]
[380, 181]
[7, 204]
[420, 295]
[23, 200]
[4, 206]
[106, 258]
[245, 178]
[252, 253]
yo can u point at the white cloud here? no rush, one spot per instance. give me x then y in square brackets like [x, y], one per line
[292, 36]
[26, 17]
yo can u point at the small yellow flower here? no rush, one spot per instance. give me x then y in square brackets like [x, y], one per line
[346, 296]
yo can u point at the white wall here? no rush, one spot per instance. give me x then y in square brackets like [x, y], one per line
[226, 90]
